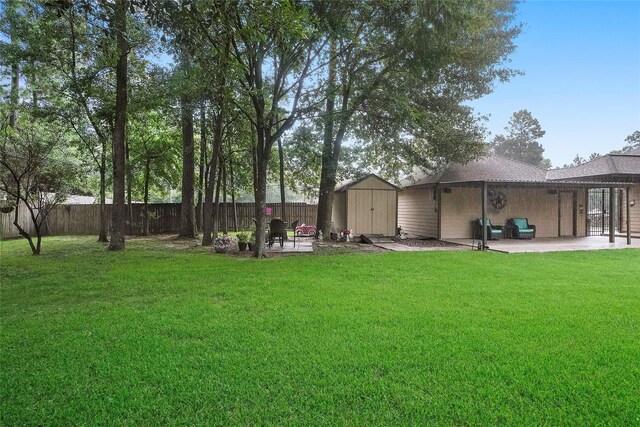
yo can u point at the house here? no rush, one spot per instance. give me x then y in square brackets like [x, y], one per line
[620, 167]
[444, 205]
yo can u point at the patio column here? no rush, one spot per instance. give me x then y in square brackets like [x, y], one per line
[612, 218]
[484, 216]
[628, 218]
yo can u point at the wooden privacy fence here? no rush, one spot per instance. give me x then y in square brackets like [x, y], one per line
[163, 218]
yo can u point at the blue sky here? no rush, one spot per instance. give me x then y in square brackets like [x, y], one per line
[581, 61]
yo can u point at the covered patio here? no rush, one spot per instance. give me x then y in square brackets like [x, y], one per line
[560, 205]
[552, 244]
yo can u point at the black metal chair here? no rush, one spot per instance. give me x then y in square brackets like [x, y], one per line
[277, 228]
[294, 224]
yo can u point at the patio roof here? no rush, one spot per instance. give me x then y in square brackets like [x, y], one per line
[624, 166]
[498, 169]
[489, 168]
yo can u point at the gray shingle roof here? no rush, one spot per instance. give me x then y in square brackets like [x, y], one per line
[611, 164]
[632, 152]
[492, 168]
[495, 168]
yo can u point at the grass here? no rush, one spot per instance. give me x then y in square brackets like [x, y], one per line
[154, 335]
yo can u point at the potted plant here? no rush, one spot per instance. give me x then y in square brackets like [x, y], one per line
[221, 244]
[243, 240]
[252, 239]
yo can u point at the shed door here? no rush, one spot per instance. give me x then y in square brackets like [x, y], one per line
[384, 212]
[566, 214]
[372, 211]
[364, 211]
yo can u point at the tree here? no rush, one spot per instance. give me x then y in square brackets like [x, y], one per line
[188, 226]
[521, 141]
[633, 141]
[303, 160]
[119, 211]
[67, 58]
[579, 160]
[284, 37]
[155, 155]
[36, 171]
[398, 75]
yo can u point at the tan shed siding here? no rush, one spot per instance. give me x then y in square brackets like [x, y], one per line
[392, 209]
[339, 212]
[372, 183]
[634, 193]
[463, 205]
[417, 211]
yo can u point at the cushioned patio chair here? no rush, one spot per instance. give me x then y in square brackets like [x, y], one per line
[521, 229]
[494, 232]
[277, 228]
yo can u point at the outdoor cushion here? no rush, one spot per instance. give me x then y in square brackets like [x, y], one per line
[493, 232]
[520, 228]
[521, 223]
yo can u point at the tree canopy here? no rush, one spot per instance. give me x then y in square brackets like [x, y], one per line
[339, 88]
[521, 141]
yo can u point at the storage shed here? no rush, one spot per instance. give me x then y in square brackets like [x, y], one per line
[368, 205]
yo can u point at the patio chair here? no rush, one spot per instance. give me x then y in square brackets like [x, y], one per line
[277, 229]
[494, 232]
[294, 224]
[521, 229]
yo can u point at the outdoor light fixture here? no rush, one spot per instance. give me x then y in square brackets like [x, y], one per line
[632, 203]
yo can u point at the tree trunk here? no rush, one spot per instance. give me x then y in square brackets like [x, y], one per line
[21, 231]
[261, 203]
[216, 203]
[145, 208]
[201, 165]
[208, 210]
[225, 210]
[234, 207]
[102, 235]
[119, 214]
[129, 187]
[254, 165]
[14, 95]
[188, 213]
[328, 171]
[283, 202]
[34, 86]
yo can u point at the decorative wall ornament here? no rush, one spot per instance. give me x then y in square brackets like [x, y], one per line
[497, 199]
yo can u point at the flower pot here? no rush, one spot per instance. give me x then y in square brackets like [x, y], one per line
[242, 246]
[252, 246]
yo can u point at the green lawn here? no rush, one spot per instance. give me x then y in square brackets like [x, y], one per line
[155, 336]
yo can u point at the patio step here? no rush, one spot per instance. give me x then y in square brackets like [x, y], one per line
[375, 238]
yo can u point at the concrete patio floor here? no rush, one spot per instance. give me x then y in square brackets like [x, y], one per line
[543, 244]
[303, 244]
